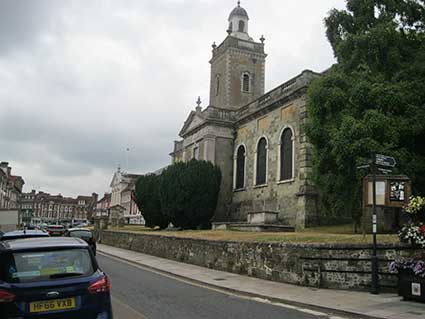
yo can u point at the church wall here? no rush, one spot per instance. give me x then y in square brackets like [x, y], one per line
[220, 68]
[223, 158]
[245, 63]
[282, 197]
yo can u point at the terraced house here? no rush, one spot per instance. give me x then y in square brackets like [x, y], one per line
[10, 187]
[256, 137]
[41, 206]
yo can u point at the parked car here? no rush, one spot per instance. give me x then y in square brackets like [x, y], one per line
[52, 278]
[30, 227]
[22, 234]
[56, 230]
[85, 234]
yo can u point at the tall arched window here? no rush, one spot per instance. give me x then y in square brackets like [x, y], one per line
[240, 168]
[286, 155]
[261, 169]
[241, 26]
[246, 82]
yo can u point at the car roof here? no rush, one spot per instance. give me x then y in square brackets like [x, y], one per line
[28, 232]
[56, 226]
[41, 243]
[79, 229]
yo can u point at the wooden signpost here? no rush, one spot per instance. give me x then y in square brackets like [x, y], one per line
[382, 190]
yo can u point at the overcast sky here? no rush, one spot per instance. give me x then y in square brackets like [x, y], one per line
[82, 80]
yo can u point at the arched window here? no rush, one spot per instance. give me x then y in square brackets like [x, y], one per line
[240, 168]
[261, 169]
[231, 27]
[241, 26]
[286, 155]
[246, 82]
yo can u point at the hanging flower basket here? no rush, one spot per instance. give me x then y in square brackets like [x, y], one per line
[414, 231]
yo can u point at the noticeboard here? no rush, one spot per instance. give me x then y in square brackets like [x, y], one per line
[380, 193]
[397, 191]
[391, 190]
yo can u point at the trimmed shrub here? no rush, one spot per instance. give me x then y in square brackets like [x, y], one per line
[189, 193]
[148, 201]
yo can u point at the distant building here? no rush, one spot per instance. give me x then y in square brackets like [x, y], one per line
[103, 206]
[45, 207]
[10, 187]
[123, 206]
[86, 206]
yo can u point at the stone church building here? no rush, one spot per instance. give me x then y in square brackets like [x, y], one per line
[255, 137]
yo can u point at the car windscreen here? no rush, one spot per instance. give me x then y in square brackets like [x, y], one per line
[33, 266]
[81, 234]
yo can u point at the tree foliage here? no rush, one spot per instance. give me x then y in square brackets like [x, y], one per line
[189, 193]
[373, 99]
[148, 201]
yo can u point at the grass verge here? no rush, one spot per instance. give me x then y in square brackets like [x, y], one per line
[331, 235]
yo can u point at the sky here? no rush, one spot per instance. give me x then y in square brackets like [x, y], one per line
[83, 81]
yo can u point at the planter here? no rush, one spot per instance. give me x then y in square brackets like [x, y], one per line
[410, 286]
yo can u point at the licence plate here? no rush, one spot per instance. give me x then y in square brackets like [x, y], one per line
[52, 305]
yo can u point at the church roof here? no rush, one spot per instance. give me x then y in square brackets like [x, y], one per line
[239, 11]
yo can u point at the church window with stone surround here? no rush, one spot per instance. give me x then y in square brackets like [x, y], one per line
[240, 168]
[261, 169]
[246, 82]
[195, 154]
[241, 26]
[286, 155]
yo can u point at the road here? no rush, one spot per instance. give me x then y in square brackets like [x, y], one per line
[138, 293]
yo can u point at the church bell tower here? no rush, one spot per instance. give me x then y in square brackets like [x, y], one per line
[237, 65]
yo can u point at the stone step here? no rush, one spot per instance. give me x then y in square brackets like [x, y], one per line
[253, 227]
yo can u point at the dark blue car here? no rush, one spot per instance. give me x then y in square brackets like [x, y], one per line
[56, 278]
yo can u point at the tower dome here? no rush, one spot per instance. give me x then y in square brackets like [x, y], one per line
[238, 23]
[239, 11]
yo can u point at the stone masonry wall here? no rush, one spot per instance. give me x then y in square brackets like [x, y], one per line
[282, 197]
[321, 265]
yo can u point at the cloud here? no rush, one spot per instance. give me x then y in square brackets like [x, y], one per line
[84, 80]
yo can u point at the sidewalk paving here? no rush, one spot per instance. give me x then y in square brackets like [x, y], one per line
[352, 303]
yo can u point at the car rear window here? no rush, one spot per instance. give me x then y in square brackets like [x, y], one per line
[6, 237]
[20, 267]
[81, 234]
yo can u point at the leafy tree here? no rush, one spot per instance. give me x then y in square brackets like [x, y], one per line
[148, 200]
[189, 193]
[372, 99]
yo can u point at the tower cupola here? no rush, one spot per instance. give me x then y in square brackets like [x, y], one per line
[238, 23]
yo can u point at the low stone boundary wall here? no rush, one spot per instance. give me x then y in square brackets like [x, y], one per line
[335, 266]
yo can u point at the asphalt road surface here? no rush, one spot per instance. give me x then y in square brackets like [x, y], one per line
[142, 294]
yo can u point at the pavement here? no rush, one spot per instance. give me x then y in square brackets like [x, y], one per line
[348, 303]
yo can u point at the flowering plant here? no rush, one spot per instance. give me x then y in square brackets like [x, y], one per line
[413, 233]
[417, 266]
[416, 206]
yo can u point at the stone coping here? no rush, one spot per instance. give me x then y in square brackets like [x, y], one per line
[396, 246]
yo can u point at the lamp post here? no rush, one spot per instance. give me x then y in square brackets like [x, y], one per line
[127, 151]
[375, 261]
